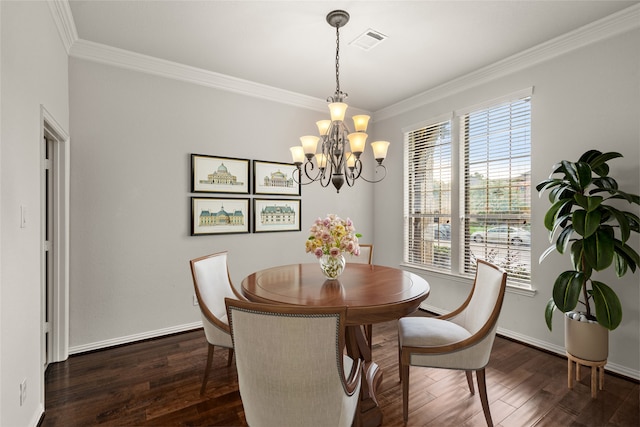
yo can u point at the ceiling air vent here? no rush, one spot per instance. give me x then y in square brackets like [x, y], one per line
[369, 39]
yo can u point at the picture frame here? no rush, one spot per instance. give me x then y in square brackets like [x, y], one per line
[273, 215]
[215, 174]
[275, 178]
[211, 215]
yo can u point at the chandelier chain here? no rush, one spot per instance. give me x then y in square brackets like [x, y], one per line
[338, 93]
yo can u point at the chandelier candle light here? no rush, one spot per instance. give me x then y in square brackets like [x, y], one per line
[334, 163]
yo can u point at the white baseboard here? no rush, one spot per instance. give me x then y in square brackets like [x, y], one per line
[133, 338]
[543, 345]
[35, 421]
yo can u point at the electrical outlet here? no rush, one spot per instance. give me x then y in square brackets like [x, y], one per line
[195, 300]
[23, 391]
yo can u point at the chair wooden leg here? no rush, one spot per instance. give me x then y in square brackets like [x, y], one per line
[369, 334]
[399, 359]
[404, 378]
[482, 387]
[470, 381]
[207, 369]
[230, 356]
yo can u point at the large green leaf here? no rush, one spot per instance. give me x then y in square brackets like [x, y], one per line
[589, 203]
[602, 159]
[604, 184]
[629, 254]
[599, 163]
[598, 248]
[554, 210]
[608, 307]
[620, 264]
[577, 254]
[563, 239]
[548, 313]
[564, 191]
[578, 174]
[629, 197]
[547, 184]
[561, 222]
[586, 223]
[555, 169]
[566, 290]
[622, 221]
[634, 221]
[546, 253]
[584, 174]
[589, 155]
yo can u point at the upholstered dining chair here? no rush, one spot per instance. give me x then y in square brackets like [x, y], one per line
[291, 366]
[459, 340]
[365, 257]
[212, 285]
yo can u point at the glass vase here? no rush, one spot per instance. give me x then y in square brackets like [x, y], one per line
[332, 267]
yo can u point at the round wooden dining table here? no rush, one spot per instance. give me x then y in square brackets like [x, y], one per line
[372, 293]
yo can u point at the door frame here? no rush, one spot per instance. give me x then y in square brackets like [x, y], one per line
[61, 178]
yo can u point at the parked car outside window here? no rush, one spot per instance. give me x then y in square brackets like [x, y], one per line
[438, 231]
[503, 234]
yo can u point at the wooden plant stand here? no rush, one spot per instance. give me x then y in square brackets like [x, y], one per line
[597, 381]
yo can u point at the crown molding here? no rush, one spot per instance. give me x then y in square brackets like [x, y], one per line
[63, 19]
[116, 57]
[613, 25]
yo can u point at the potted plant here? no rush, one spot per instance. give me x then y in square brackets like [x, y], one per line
[596, 233]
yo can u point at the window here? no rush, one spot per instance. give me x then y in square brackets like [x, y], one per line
[428, 196]
[489, 149]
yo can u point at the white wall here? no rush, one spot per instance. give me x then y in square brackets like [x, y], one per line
[588, 98]
[132, 136]
[34, 72]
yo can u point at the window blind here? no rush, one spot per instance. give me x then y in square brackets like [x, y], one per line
[497, 188]
[428, 172]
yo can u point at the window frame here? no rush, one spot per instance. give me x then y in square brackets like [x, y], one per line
[459, 191]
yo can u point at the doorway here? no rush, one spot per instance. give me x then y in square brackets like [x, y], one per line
[54, 265]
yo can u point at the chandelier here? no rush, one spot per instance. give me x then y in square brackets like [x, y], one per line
[334, 163]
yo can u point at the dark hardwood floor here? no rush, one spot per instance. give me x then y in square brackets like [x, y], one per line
[157, 383]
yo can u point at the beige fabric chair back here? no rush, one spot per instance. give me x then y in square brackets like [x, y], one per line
[212, 285]
[365, 257]
[485, 300]
[291, 367]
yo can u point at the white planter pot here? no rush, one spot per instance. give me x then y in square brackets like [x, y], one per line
[586, 340]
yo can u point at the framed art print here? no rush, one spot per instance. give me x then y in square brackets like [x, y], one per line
[274, 178]
[211, 174]
[219, 216]
[276, 215]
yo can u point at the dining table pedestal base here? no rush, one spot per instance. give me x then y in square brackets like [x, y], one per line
[368, 413]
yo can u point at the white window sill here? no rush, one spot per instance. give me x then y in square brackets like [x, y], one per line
[528, 292]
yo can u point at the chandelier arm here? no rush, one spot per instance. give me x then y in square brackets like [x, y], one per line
[352, 173]
[308, 166]
[373, 181]
[325, 177]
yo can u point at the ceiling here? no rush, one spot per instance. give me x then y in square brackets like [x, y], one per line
[290, 46]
